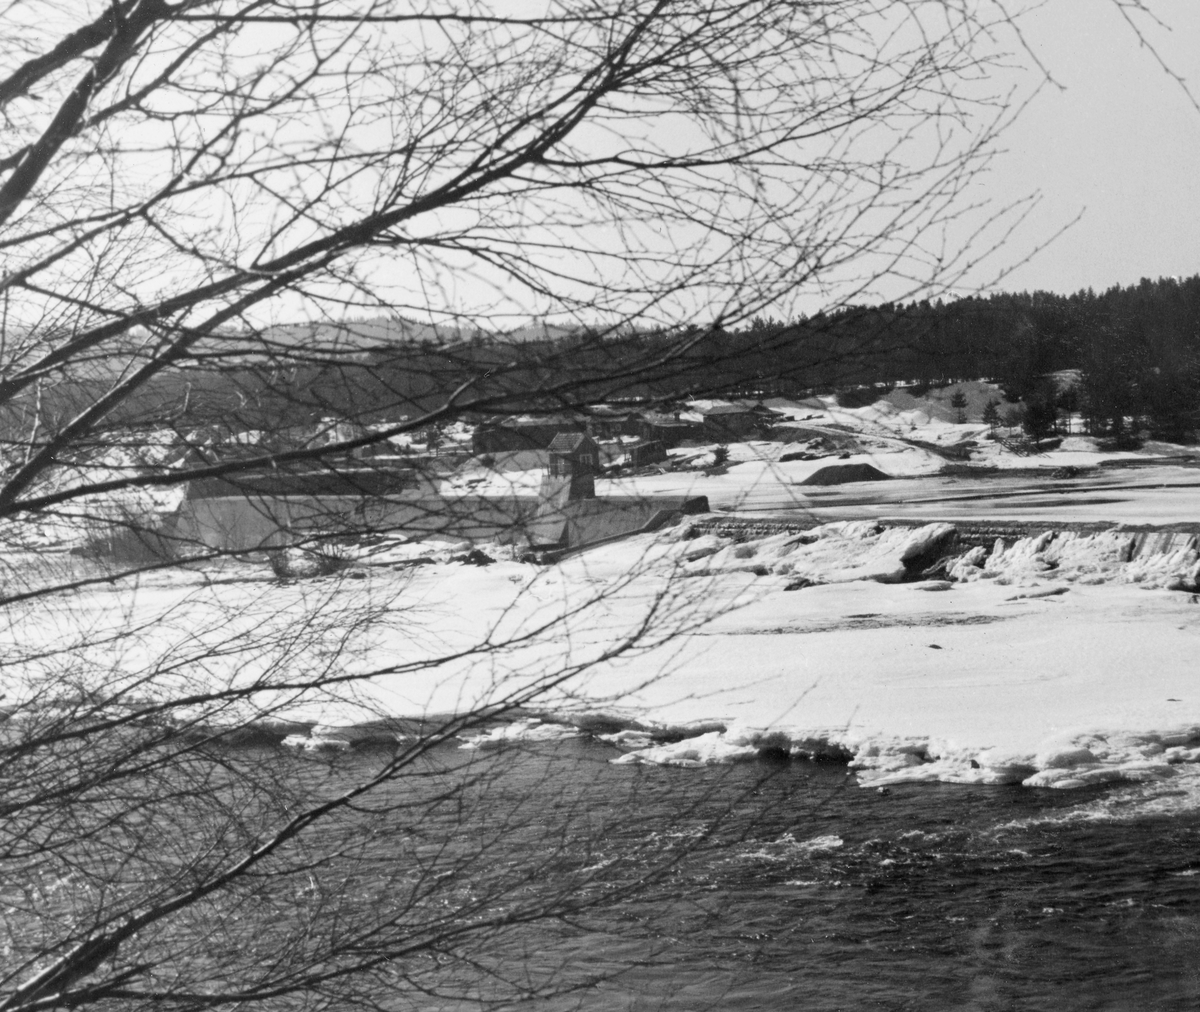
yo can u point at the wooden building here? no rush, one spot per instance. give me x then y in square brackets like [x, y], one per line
[522, 432]
[574, 464]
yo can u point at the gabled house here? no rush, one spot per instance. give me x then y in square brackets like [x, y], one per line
[723, 421]
[669, 428]
[501, 434]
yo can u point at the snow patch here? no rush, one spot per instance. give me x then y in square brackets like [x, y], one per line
[1084, 760]
[705, 750]
[521, 730]
[1168, 561]
[838, 552]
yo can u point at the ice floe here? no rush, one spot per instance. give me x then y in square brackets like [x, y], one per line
[845, 551]
[1042, 663]
[1165, 560]
[839, 552]
[1083, 760]
[528, 730]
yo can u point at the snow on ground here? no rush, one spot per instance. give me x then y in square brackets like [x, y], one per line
[1155, 495]
[493, 483]
[1074, 451]
[1057, 660]
[1035, 675]
[515, 472]
[1162, 494]
[1031, 673]
[929, 417]
[833, 553]
[756, 479]
[975, 684]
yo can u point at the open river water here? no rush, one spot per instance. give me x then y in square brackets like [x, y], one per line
[806, 892]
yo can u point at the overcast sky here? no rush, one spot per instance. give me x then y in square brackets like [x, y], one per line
[1121, 144]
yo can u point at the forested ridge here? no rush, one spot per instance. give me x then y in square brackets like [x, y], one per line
[1136, 349]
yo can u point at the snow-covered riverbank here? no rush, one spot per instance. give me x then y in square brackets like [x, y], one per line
[866, 630]
[1056, 661]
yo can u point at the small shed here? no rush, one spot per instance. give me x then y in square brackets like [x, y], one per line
[668, 428]
[725, 420]
[609, 421]
[573, 453]
[641, 454]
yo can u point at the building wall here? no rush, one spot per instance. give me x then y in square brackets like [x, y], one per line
[241, 523]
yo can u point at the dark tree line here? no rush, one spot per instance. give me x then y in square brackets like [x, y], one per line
[1135, 350]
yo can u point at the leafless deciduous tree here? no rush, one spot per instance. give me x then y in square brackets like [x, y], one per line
[178, 181]
[179, 174]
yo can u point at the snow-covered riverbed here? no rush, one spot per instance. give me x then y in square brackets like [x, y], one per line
[1061, 660]
[1064, 665]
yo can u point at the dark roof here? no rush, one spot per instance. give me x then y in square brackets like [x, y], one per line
[839, 474]
[357, 482]
[568, 442]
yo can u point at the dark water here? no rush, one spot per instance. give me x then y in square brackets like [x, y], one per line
[789, 887]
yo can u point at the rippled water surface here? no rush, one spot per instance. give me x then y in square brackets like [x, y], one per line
[804, 891]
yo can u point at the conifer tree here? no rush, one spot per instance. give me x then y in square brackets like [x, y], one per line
[959, 403]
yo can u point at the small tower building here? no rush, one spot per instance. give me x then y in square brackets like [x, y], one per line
[574, 463]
